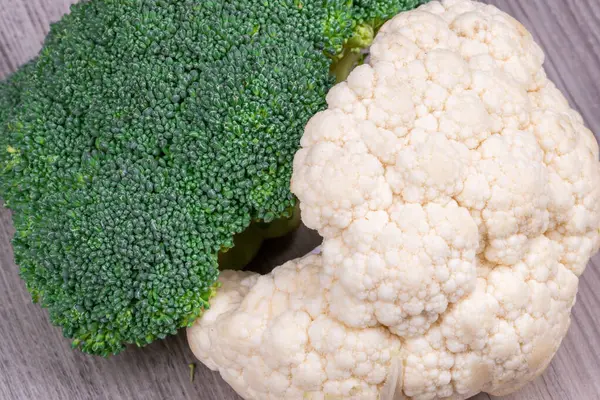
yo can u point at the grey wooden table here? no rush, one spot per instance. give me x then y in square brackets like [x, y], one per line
[37, 363]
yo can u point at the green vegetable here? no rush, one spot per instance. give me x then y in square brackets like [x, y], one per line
[247, 243]
[147, 136]
[192, 368]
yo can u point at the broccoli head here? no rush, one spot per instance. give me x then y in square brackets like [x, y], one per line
[145, 140]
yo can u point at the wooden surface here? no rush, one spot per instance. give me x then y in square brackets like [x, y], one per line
[37, 363]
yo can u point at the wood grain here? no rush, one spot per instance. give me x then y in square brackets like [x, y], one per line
[37, 363]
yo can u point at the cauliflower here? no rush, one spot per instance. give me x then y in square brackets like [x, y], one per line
[458, 196]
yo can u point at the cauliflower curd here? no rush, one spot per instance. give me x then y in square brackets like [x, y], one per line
[458, 197]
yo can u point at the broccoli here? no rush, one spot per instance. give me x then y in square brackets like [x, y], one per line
[148, 136]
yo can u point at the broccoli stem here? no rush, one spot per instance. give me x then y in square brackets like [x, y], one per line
[247, 243]
[352, 53]
[192, 368]
[342, 68]
[245, 247]
[282, 226]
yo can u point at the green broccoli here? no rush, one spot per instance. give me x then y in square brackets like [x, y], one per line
[148, 136]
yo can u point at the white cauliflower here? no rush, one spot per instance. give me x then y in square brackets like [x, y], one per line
[458, 196]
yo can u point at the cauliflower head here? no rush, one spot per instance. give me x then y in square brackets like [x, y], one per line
[458, 196]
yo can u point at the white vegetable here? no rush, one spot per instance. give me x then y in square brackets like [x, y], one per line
[458, 196]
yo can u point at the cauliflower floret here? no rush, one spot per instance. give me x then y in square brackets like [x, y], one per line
[501, 336]
[402, 267]
[271, 337]
[458, 195]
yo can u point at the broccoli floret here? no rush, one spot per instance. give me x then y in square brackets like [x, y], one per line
[147, 136]
[10, 92]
